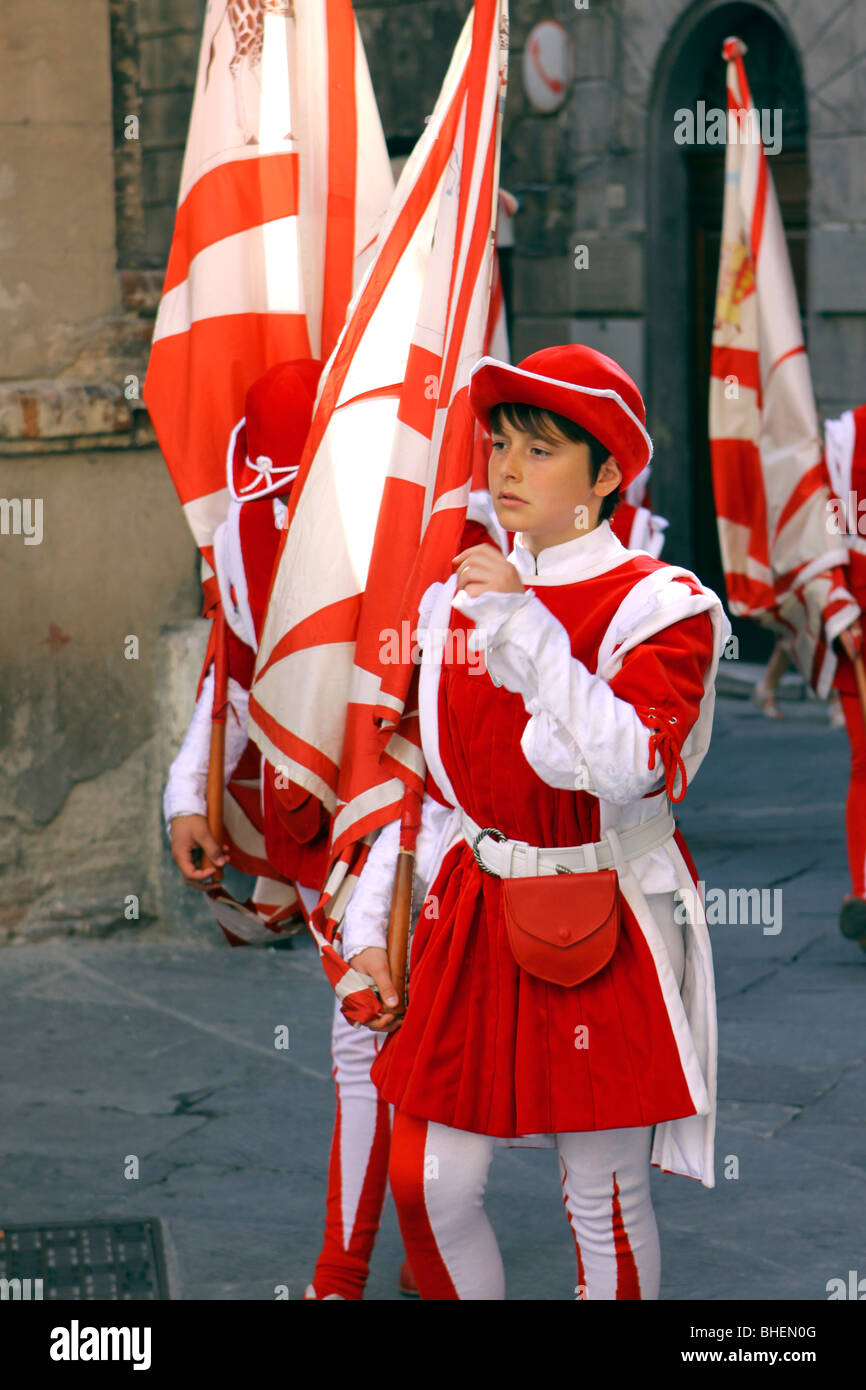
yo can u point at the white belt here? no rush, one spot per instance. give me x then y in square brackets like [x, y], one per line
[516, 859]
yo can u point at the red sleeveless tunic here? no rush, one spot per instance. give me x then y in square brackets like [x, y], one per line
[485, 1046]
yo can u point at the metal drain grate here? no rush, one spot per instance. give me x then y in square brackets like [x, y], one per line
[84, 1260]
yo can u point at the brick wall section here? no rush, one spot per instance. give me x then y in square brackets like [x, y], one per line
[832, 43]
[169, 34]
[559, 165]
[126, 106]
[408, 45]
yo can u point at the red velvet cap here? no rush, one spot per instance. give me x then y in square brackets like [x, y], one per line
[575, 381]
[265, 447]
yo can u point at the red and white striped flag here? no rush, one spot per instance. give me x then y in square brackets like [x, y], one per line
[779, 554]
[285, 184]
[388, 462]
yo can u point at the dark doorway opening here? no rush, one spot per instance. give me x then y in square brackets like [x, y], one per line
[686, 187]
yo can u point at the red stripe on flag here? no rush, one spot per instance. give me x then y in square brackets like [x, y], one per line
[195, 409]
[790, 579]
[294, 747]
[747, 597]
[395, 547]
[743, 101]
[384, 266]
[738, 482]
[232, 198]
[373, 820]
[375, 393]
[342, 171]
[811, 482]
[420, 390]
[743, 363]
[792, 352]
[745, 94]
[334, 623]
[476, 80]
[442, 537]
[210, 590]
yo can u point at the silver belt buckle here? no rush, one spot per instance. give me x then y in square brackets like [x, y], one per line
[496, 835]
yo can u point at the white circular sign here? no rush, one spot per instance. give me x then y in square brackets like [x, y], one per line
[547, 65]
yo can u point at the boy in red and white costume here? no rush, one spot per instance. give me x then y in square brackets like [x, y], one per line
[845, 457]
[595, 709]
[263, 457]
[262, 462]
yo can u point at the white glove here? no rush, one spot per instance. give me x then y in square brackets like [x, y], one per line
[365, 922]
[186, 789]
[580, 735]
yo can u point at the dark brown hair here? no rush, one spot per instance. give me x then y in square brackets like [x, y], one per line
[531, 419]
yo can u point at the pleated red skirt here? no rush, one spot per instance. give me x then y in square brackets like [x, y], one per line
[489, 1048]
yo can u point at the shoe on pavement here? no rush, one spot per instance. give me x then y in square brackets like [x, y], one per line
[310, 1293]
[835, 712]
[852, 920]
[766, 702]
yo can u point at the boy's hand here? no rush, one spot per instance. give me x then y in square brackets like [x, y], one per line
[483, 569]
[189, 834]
[374, 961]
[851, 639]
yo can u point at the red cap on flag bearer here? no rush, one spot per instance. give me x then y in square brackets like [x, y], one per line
[266, 445]
[575, 381]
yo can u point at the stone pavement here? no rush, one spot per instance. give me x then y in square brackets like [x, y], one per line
[139, 1045]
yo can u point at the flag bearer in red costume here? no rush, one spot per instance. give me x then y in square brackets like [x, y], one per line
[845, 456]
[263, 456]
[561, 985]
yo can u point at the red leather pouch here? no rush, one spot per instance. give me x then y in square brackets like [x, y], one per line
[562, 927]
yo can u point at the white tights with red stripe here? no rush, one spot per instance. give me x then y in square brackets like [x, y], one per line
[438, 1176]
[358, 1167]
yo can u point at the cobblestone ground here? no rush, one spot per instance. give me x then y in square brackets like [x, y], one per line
[137, 1045]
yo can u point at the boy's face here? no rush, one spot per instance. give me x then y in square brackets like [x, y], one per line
[541, 487]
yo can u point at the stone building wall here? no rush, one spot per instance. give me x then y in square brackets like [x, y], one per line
[85, 222]
[94, 550]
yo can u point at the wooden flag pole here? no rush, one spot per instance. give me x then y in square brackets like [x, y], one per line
[216, 765]
[399, 920]
[849, 646]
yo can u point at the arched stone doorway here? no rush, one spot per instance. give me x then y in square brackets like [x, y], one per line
[686, 184]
